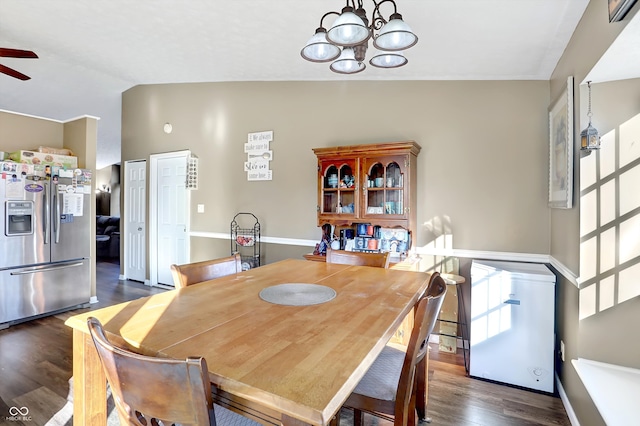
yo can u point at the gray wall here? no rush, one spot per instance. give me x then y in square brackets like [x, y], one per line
[609, 336]
[19, 131]
[615, 166]
[482, 169]
[608, 276]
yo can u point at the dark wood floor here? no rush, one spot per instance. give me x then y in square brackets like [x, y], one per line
[36, 364]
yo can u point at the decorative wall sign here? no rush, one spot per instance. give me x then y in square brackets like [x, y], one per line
[258, 155]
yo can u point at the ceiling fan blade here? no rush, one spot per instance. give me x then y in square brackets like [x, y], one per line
[16, 53]
[13, 73]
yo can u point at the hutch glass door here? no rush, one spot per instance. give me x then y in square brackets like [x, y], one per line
[384, 194]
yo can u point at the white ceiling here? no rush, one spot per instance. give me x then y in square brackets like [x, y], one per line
[91, 51]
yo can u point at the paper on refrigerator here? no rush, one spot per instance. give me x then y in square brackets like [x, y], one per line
[72, 203]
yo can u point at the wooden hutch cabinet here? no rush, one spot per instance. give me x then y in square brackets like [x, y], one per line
[373, 183]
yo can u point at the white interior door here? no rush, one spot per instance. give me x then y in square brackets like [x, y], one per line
[135, 220]
[172, 215]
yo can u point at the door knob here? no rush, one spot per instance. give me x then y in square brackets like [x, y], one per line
[139, 228]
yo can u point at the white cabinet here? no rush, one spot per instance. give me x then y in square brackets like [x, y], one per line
[512, 323]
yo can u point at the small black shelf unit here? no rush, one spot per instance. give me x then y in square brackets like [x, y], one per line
[245, 239]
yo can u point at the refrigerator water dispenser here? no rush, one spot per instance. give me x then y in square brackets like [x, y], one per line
[19, 218]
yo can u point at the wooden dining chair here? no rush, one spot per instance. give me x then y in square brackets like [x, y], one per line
[389, 387]
[422, 374]
[150, 389]
[192, 273]
[379, 260]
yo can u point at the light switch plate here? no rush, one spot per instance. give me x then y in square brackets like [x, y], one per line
[200, 208]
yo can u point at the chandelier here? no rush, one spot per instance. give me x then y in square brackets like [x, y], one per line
[351, 31]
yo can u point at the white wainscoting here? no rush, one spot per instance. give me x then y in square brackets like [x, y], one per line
[470, 254]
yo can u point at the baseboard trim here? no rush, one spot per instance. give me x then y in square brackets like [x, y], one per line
[567, 404]
[217, 235]
[160, 285]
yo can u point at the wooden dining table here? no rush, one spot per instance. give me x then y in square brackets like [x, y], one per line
[274, 363]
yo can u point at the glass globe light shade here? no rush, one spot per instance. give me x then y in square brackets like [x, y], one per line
[395, 35]
[348, 29]
[318, 49]
[347, 63]
[388, 60]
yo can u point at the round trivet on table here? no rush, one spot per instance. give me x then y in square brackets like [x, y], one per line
[297, 294]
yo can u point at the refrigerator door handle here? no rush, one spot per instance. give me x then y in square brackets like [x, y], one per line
[56, 223]
[47, 214]
[47, 268]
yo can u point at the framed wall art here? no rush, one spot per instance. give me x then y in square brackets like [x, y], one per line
[561, 149]
[619, 8]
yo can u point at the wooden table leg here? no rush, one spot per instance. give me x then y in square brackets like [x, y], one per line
[89, 383]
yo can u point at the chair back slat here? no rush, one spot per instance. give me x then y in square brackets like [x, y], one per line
[147, 389]
[379, 260]
[197, 272]
[426, 315]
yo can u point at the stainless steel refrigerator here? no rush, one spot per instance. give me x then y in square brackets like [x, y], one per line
[45, 241]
